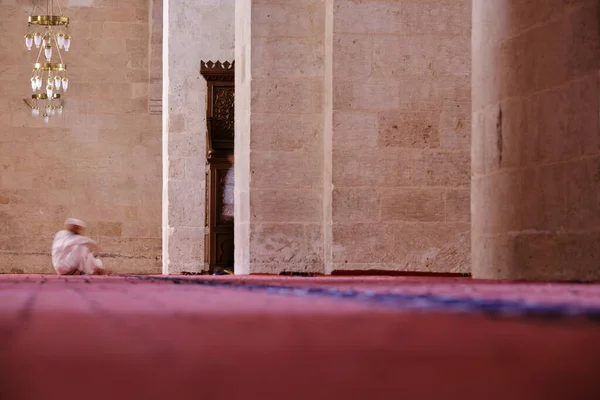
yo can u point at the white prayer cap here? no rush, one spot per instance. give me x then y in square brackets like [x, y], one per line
[75, 222]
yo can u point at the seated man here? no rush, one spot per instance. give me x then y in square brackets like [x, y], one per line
[72, 252]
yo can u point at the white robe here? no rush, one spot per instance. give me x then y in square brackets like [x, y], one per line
[228, 202]
[70, 253]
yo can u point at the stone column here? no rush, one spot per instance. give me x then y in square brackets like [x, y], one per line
[536, 143]
[279, 136]
[193, 30]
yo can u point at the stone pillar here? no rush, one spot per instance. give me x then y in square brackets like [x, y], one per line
[279, 136]
[193, 30]
[536, 142]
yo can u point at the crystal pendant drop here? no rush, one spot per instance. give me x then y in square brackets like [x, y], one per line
[33, 83]
[28, 41]
[65, 84]
[49, 91]
[59, 110]
[46, 118]
[38, 80]
[57, 83]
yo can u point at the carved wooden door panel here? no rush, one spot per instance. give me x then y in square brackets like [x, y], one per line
[220, 236]
[219, 155]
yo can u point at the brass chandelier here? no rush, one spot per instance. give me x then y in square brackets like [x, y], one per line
[49, 81]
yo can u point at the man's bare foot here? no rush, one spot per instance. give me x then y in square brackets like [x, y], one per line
[76, 272]
[102, 271]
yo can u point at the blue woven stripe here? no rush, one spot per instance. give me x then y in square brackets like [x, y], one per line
[423, 302]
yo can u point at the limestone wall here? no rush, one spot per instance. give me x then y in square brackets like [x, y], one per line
[358, 136]
[195, 30]
[101, 162]
[279, 139]
[401, 135]
[352, 135]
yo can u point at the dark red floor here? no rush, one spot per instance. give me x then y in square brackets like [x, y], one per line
[130, 338]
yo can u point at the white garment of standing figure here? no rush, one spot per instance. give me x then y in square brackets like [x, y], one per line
[228, 195]
[70, 253]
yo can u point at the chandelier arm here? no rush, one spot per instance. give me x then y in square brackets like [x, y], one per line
[57, 49]
[37, 60]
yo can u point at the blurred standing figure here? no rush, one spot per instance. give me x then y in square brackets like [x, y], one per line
[72, 253]
[228, 194]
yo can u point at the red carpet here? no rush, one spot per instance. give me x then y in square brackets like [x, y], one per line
[244, 338]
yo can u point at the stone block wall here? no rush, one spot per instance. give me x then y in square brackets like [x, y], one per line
[357, 137]
[195, 30]
[352, 122]
[155, 87]
[100, 161]
[279, 139]
[401, 135]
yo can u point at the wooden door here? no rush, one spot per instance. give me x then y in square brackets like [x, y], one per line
[219, 155]
[220, 218]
